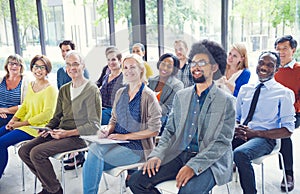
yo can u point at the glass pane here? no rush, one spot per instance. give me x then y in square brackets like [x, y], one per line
[152, 34]
[83, 22]
[259, 28]
[123, 25]
[28, 29]
[6, 34]
[191, 21]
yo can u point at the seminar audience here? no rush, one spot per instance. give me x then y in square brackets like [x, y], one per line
[36, 109]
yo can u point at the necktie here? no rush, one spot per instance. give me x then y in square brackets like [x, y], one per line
[253, 104]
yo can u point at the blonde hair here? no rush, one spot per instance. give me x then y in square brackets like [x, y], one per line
[19, 60]
[140, 63]
[241, 49]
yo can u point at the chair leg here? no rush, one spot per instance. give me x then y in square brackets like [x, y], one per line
[35, 183]
[228, 190]
[283, 172]
[105, 181]
[122, 182]
[262, 179]
[63, 175]
[23, 177]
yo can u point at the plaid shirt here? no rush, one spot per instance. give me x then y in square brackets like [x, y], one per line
[185, 75]
[109, 89]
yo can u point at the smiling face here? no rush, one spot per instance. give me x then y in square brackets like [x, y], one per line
[166, 67]
[286, 52]
[39, 70]
[13, 67]
[180, 51]
[113, 62]
[74, 67]
[131, 71]
[234, 58]
[203, 73]
[64, 50]
[266, 67]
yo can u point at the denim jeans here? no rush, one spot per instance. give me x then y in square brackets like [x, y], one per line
[106, 114]
[6, 120]
[202, 183]
[8, 138]
[243, 155]
[104, 157]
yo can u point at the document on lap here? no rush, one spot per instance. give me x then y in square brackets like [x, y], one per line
[94, 138]
[41, 128]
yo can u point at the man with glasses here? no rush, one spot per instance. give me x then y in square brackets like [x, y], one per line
[62, 76]
[195, 146]
[288, 75]
[264, 112]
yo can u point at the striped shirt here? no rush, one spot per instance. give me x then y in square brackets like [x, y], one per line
[9, 98]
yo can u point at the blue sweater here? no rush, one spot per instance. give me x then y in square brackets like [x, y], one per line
[241, 80]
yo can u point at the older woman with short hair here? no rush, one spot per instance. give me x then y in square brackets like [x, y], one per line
[135, 118]
[13, 87]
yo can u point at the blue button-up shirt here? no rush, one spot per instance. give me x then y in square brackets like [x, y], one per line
[274, 108]
[191, 137]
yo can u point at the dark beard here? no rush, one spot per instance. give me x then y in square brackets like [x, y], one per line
[199, 80]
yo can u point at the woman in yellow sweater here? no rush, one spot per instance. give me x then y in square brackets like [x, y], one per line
[36, 110]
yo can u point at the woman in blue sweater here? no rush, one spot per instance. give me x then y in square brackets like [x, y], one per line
[237, 72]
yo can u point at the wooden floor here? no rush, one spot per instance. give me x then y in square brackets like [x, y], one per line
[11, 182]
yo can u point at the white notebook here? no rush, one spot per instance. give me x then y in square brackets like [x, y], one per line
[94, 138]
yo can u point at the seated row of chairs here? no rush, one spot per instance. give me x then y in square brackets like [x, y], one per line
[167, 186]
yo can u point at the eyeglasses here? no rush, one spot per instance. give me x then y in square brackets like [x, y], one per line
[200, 63]
[14, 63]
[75, 64]
[41, 67]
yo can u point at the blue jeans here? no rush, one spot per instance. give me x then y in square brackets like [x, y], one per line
[8, 138]
[101, 158]
[106, 114]
[5, 121]
[243, 155]
[202, 183]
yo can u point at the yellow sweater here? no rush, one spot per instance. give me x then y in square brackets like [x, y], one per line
[149, 71]
[37, 108]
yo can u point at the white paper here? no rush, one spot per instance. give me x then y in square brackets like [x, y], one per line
[94, 138]
[41, 128]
